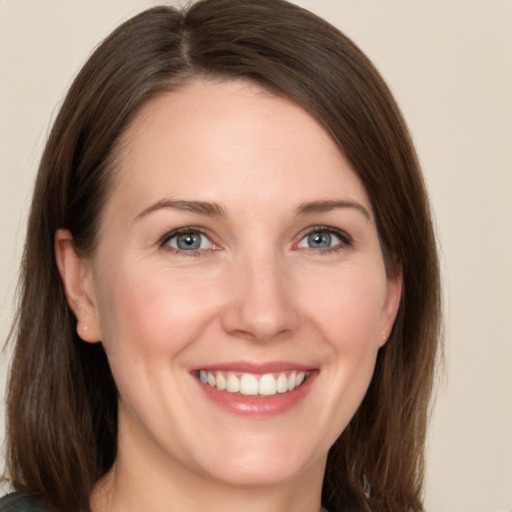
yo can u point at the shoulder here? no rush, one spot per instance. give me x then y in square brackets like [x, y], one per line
[20, 503]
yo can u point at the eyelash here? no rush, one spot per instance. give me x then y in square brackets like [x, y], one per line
[164, 242]
[345, 240]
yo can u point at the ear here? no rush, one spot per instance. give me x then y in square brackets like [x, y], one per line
[392, 303]
[76, 275]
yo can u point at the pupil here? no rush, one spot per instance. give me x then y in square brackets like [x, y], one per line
[319, 240]
[189, 241]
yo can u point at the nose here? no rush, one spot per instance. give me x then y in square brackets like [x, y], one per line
[261, 304]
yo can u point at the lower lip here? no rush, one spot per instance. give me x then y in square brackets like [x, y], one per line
[259, 406]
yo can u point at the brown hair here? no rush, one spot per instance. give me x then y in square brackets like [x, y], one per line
[62, 400]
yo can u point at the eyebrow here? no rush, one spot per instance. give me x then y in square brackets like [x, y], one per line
[200, 207]
[327, 206]
[215, 210]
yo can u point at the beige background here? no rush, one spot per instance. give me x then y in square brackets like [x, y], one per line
[449, 63]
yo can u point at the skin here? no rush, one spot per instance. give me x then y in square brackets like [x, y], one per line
[256, 291]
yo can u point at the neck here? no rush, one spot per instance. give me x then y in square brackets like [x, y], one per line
[137, 484]
[146, 477]
[121, 491]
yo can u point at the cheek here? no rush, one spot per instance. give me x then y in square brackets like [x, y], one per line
[147, 320]
[152, 312]
[347, 306]
[130, 312]
[344, 307]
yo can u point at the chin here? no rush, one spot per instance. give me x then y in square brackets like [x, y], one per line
[262, 460]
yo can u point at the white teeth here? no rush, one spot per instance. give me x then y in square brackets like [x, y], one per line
[300, 379]
[221, 381]
[249, 384]
[291, 380]
[267, 385]
[282, 383]
[233, 384]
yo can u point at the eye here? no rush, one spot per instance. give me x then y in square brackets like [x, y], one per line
[188, 240]
[324, 238]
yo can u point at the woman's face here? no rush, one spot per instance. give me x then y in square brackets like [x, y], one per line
[238, 287]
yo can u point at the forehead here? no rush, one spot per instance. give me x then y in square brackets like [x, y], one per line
[208, 138]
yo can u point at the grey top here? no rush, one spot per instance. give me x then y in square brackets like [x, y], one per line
[20, 503]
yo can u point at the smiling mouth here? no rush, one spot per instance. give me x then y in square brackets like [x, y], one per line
[250, 384]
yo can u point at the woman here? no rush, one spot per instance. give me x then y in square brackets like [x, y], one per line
[230, 292]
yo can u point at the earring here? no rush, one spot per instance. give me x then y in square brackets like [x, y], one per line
[85, 327]
[384, 337]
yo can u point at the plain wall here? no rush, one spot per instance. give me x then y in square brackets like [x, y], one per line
[449, 63]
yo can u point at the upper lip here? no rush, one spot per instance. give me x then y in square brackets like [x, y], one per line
[255, 367]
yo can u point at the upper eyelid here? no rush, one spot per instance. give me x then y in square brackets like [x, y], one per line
[341, 233]
[185, 229]
[337, 231]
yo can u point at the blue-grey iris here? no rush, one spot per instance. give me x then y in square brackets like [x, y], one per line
[188, 241]
[319, 240]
